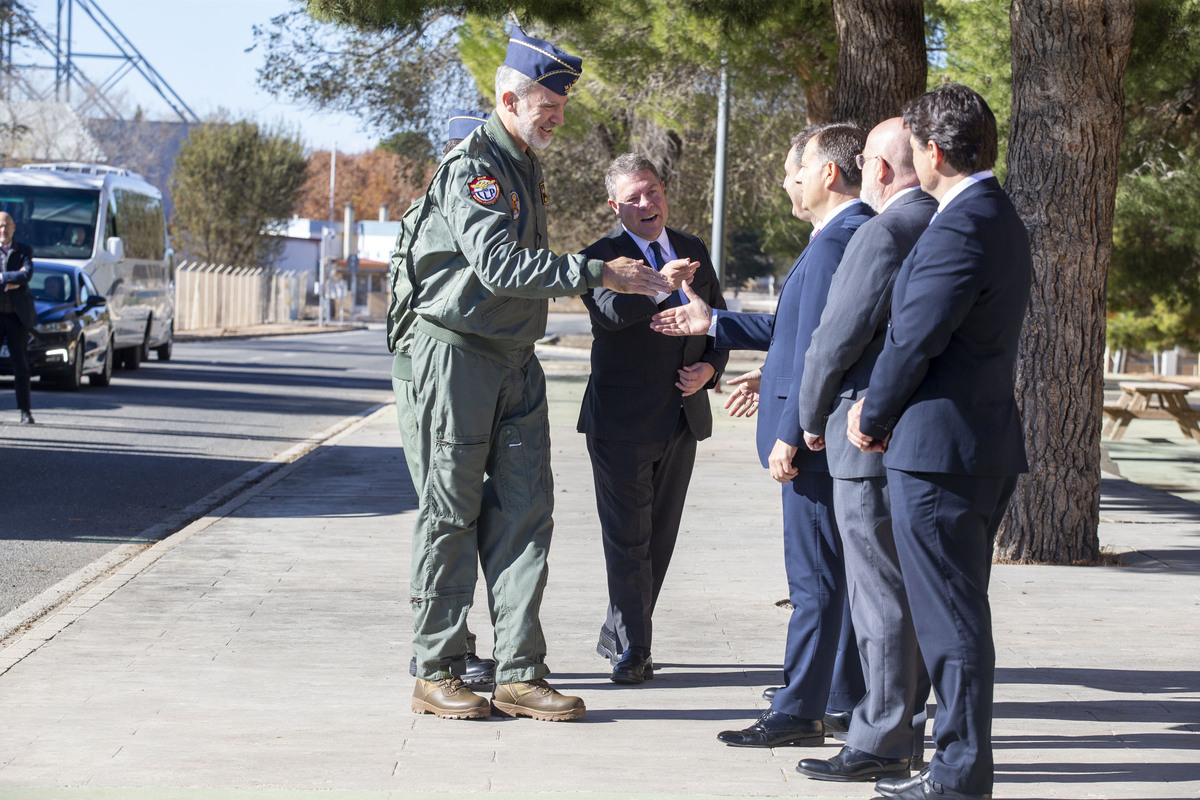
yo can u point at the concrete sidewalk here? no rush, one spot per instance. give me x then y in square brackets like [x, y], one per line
[262, 652]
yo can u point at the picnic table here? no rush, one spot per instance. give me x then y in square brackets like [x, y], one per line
[1138, 402]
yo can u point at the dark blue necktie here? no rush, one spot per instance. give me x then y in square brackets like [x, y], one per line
[656, 252]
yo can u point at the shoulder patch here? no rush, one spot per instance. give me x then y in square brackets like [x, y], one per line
[516, 205]
[485, 190]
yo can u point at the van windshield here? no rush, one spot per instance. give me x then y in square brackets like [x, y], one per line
[56, 223]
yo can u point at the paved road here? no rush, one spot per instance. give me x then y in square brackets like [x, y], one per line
[136, 460]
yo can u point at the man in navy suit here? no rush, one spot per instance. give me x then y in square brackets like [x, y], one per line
[882, 737]
[644, 409]
[822, 179]
[942, 406]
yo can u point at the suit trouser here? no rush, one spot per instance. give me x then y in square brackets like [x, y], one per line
[406, 417]
[895, 678]
[17, 337]
[640, 493]
[816, 578]
[487, 495]
[945, 526]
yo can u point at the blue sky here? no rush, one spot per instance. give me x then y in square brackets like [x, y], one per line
[198, 47]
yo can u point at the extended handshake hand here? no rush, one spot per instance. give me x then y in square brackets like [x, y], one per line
[679, 272]
[692, 319]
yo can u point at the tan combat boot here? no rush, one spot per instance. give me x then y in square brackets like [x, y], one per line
[448, 698]
[537, 699]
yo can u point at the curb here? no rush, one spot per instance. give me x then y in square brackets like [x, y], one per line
[265, 332]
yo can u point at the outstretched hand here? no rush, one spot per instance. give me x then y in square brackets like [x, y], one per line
[679, 272]
[692, 319]
[627, 276]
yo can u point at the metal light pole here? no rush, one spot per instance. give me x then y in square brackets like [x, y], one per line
[717, 245]
[332, 178]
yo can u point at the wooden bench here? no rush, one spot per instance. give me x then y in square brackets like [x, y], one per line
[1137, 402]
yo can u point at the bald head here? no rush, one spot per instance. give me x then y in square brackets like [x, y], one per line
[887, 163]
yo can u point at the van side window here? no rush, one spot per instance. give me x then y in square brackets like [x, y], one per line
[111, 228]
[141, 224]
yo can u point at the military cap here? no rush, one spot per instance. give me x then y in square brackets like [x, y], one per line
[462, 122]
[543, 62]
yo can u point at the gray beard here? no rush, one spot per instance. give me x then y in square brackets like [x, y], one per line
[533, 135]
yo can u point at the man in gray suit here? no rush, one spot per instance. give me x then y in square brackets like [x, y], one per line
[837, 368]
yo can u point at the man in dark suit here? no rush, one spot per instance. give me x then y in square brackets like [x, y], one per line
[644, 409]
[942, 406]
[17, 313]
[822, 180]
[837, 369]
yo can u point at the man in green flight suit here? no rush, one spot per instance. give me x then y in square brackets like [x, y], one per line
[482, 277]
[401, 318]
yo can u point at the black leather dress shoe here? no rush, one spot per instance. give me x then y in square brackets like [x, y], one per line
[478, 671]
[633, 668]
[776, 729]
[928, 789]
[853, 765]
[890, 787]
[27, 418]
[606, 646]
[838, 722]
[769, 692]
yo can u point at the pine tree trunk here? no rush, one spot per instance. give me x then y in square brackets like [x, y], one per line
[1068, 67]
[881, 58]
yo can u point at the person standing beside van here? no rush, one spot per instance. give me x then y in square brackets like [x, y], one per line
[17, 314]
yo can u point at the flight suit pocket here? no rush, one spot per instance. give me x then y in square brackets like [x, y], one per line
[454, 485]
[515, 477]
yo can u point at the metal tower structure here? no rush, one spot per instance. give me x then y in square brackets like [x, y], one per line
[18, 25]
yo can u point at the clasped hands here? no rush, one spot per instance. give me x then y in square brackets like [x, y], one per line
[780, 460]
[868, 444]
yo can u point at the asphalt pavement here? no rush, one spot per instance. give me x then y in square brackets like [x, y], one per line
[262, 651]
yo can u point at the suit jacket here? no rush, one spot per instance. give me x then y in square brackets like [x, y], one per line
[943, 386]
[787, 333]
[837, 367]
[631, 394]
[19, 269]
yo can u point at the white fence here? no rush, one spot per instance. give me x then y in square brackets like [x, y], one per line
[215, 296]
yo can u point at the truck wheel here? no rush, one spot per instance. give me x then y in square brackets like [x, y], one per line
[131, 357]
[163, 351]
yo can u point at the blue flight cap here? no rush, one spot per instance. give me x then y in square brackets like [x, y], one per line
[543, 62]
[462, 122]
